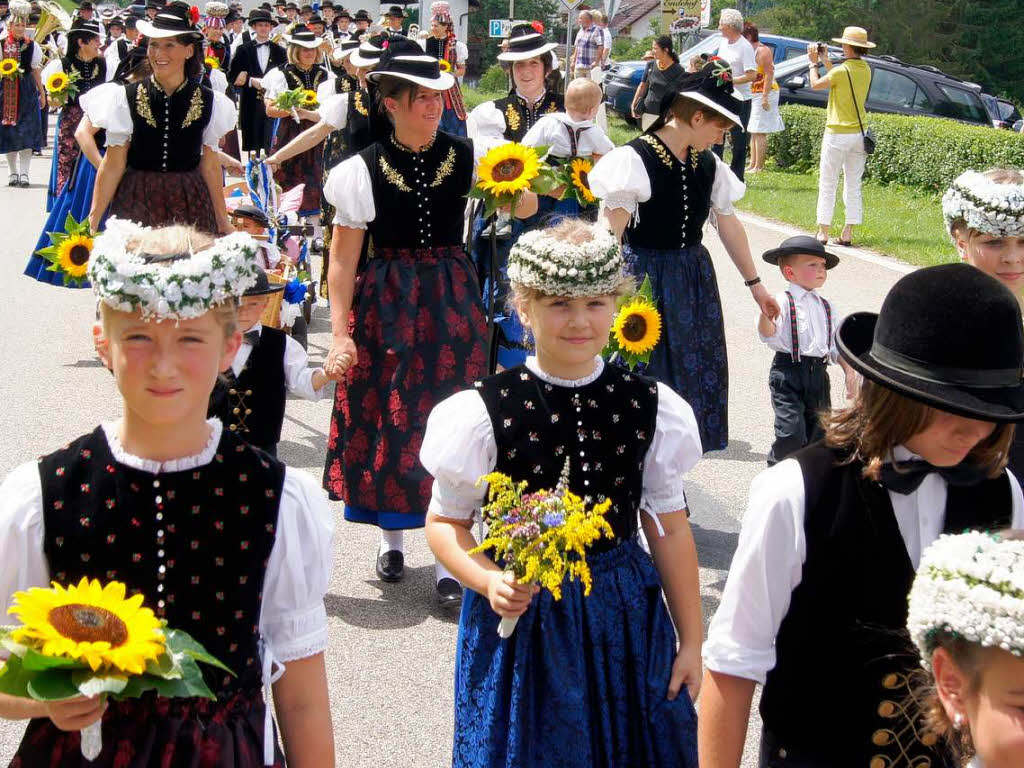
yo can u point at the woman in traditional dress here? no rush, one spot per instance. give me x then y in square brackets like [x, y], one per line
[161, 166]
[443, 45]
[21, 95]
[644, 186]
[417, 331]
[301, 71]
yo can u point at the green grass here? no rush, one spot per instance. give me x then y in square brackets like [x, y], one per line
[902, 222]
[899, 221]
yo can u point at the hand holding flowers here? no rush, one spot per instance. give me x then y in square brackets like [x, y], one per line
[61, 87]
[506, 172]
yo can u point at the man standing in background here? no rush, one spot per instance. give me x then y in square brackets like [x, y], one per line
[588, 49]
[739, 54]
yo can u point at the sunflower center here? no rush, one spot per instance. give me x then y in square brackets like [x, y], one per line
[635, 328]
[584, 180]
[509, 169]
[88, 624]
[79, 255]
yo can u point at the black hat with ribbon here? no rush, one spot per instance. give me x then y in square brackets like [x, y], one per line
[84, 29]
[170, 21]
[949, 337]
[362, 15]
[404, 59]
[801, 244]
[525, 42]
[263, 286]
[712, 86]
[368, 53]
[303, 36]
[396, 11]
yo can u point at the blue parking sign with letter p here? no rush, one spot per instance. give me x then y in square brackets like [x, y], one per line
[499, 27]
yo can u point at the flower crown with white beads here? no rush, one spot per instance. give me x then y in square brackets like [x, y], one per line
[970, 586]
[985, 205]
[557, 267]
[177, 287]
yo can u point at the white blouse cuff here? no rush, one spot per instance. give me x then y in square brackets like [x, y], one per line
[222, 120]
[626, 202]
[727, 658]
[446, 501]
[305, 630]
[726, 189]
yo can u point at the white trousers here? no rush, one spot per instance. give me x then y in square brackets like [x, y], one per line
[841, 151]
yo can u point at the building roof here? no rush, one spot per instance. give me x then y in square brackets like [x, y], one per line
[632, 11]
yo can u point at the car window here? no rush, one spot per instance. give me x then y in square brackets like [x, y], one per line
[792, 53]
[893, 89]
[1008, 112]
[961, 104]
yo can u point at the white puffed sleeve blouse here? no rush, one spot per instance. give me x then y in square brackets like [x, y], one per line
[459, 448]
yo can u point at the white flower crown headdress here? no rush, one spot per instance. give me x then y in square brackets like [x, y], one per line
[169, 288]
[985, 205]
[560, 268]
[970, 585]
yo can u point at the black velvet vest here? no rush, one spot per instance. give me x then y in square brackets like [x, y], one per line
[418, 196]
[604, 428]
[196, 543]
[680, 199]
[253, 404]
[167, 129]
[520, 116]
[358, 135]
[90, 74]
[296, 78]
[843, 684]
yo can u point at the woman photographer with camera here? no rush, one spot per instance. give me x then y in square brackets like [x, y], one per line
[842, 146]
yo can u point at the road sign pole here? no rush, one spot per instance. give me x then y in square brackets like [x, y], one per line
[511, 9]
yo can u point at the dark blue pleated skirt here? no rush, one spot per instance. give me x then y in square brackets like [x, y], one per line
[27, 133]
[76, 199]
[691, 355]
[581, 682]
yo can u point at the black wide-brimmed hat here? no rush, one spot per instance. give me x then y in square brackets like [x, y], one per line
[259, 14]
[83, 28]
[303, 36]
[396, 11]
[801, 244]
[171, 20]
[712, 86]
[525, 42]
[369, 51]
[263, 286]
[362, 15]
[949, 337]
[404, 59]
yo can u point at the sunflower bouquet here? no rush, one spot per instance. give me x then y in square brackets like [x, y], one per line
[61, 86]
[509, 170]
[636, 328]
[69, 251]
[444, 65]
[10, 68]
[541, 537]
[574, 176]
[92, 640]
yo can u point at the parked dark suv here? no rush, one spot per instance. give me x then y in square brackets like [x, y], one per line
[896, 87]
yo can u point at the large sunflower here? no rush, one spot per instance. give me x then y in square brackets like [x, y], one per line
[9, 67]
[91, 623]
[57, 83]
[508, 169]
[637, 327]
[73, 255]
[580, 169]
[309, 99]
[444, 65]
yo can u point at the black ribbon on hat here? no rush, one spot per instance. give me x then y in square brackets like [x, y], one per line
[905, 477]
[978, 378]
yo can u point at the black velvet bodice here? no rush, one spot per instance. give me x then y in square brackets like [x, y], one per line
[167, 132]
[418, 196]
[358, 134]
[680, 199]
[196, 542]
[308, 80]
[603, 428]
[90, 74]
[520, 116]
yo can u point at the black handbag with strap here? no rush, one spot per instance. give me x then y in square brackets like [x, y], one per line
[868, 135]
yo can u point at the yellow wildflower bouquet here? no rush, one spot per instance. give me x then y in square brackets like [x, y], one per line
[636, 328]
[92, 640]
[509, 170]
[541, 537]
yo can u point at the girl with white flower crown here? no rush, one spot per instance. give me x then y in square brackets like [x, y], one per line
[816, 600]
[598, 680]
[222, 540]
[967, 618]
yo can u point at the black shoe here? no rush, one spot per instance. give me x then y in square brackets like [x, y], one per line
[391, 566]
[449, 593]
[23, 181]
[13, 181]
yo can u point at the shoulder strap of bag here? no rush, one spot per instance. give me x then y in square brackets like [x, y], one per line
[856, 109]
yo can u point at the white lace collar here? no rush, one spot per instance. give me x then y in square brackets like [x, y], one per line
[200, 459]
[534, 366]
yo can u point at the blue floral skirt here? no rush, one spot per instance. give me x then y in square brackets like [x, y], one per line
[76, 199]
[581, 682]
[691, 356]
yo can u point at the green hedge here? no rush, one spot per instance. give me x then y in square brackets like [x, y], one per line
[494, 79]
[923, 152]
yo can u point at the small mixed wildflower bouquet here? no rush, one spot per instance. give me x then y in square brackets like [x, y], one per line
[541, 537]
[290, 101]
[92, 640]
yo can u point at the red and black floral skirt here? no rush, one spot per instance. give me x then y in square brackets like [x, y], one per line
[419, 327]
[305, 168]
[159, 198]
[67, 148]
[155, 731]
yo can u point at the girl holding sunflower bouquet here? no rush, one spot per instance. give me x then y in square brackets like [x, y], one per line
[301, 72]
[21, 95]
[222, 540]
[594, 680]
[73, 174]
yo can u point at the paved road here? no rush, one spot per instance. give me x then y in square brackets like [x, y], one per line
[391, 650]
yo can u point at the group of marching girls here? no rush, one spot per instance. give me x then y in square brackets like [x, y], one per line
[185, 501]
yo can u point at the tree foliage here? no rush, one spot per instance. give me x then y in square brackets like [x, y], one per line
[484, 50]
[977, 40]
